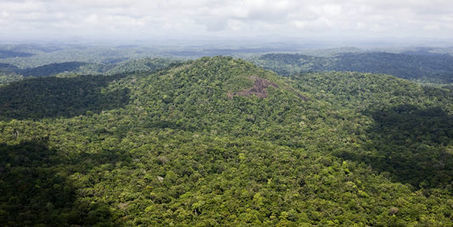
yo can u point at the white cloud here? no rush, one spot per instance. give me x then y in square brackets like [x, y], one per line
[226, 18]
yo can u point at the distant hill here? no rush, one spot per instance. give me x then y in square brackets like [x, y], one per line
[52, 69]
[140, 65]
[426, 67]
[83, 68]
[13, 54]
[8, 68]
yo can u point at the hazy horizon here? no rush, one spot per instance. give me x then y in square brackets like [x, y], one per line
[346, 23]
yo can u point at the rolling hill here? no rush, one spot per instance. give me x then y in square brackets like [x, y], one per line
[10, 73]
[428, 67]
[220, 141]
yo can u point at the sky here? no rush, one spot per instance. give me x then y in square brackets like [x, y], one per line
[129, 20]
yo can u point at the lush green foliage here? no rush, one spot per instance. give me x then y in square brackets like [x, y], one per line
[52, 69]
[52, 97]
[412, 129]
[139, 65]
[425, 67]
[320, 149]
[6, 79]
[81, 68]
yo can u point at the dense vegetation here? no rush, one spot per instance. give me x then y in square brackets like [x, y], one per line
[426, 67]
[200, 144]
[412, 128]
[8, 78]
[13, 54]
[10, 73]
[139, 65]
[52, 69]
[52, 96]
[8, 68]
[39, 55]
[28, 56]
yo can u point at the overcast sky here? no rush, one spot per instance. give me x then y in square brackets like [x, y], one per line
[369, 20]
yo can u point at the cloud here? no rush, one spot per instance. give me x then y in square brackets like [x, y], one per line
[125, 19]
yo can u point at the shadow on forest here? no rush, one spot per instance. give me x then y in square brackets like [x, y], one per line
[35, 189]
[52, 69]
[410, 144]
[60, 97]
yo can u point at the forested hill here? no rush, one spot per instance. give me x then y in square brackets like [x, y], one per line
[13, 54]
[9, 73]
[220, 141]
[51, 69]
[425, 67]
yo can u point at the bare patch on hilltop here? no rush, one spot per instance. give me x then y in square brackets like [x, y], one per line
[259, 88]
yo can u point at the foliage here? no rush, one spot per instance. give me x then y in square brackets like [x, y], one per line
[411, 131]
[320, 149]
[8, 68]
[54, 97]
[52, 69]
[82, 68]
[13, 54]
[426, 67]
[6, 79]
[141, 65]
[35, 189]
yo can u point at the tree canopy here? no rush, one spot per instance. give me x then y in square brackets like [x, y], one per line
[195, 144]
